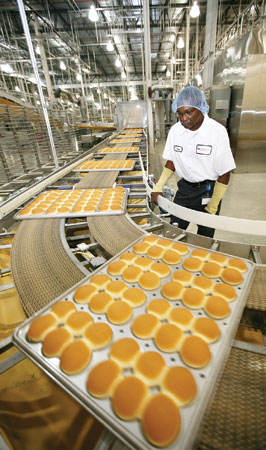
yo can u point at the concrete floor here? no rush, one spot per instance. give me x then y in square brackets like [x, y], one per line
[244, 198]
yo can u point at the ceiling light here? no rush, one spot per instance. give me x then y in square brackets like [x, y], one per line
[194, 11]
[118, 62]
[62, 65]
[78, 77]
[110, 47]
[6, 68]
[17, 89]
[37, 50]
[117, 39]
[172, 37]
[32, 79]
[93, 15]
[173, 60]
[85, 70]
[168, 73]
[180, 43]
[123, 75]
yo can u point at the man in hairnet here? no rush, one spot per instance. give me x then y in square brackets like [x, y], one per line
[198, 150]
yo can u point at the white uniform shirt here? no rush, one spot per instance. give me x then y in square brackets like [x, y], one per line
[199, 155]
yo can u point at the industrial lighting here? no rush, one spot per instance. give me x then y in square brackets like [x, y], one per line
[123, 75]
[62, 65]
[6, 68]
[37, 50]
[17, 89]
[93, 15]
[118, 62]
[110, 47]
[168, 73]
[194, 11]
[172, 37]
[180, 43]
[78, 77]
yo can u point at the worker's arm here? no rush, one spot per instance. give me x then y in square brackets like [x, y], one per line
[218, 193]
[168, 170]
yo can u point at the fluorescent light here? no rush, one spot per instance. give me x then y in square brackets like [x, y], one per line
[180, 43]
[78, 77]
[110, 47]
[123, 75]
[195, 11]
[118, 62]
[37, 50]
[172, 37]
[168, 73]
[17, 89]
[6, 68]
[93, 15]
[62, 65]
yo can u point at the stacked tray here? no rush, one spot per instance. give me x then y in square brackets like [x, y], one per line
[157, 324]
[76, 203]
[108, 150]
[105, 165]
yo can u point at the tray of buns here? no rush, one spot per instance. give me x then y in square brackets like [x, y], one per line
[132, 130]
[105, 165]
[108, 150]
[76, 203]
[124, 140]
[140, 342]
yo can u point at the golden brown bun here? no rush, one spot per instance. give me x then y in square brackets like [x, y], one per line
[195, 352]
[150, 366]
[217, 307]
[75, 357]
[78, 321]
[116, 288]
[200, 253]
[63, 309]
[182, 249]
[180, 384]
[143, 262]
[161, 269]
[231, 276]
[159, 307]
[238, 264]
[100, 302]
[41, 326]
[98, 335]
[144, 326]
[84, 293]
[207, 329]
[171, 257]
[125, 352]
[218, 258]
[151, 239]
[225, 291]
[192, 264]
[211, 269]
[119, 312]
[100, 280]
[172, 290]
[181, 317]
[203, 283]
[149, 281]
[128, 257]
[134, 296]
[102, 378]
[155, 252]
[128, 397]
[141, 247]
[183, 276]
[116, 267]
[193, 298]
[55, 342]
[131, 274]
[161, 421]
[168, 337]
[165, 243]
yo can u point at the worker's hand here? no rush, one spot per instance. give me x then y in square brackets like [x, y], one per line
[154, 197]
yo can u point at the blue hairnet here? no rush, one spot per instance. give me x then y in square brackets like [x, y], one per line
[191, 96]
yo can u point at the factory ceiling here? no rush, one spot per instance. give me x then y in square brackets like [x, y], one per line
[109, 52]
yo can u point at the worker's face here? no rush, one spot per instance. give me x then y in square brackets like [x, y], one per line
[191, 118]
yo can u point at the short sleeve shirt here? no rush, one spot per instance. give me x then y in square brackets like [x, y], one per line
[199, 155]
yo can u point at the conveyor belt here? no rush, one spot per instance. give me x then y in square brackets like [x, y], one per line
[238, 415]
[41, 268]
[256, 297]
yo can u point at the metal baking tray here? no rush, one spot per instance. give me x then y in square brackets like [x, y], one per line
[192, 415]
[70, 215]
[111, 169]
[124, 150]
[125, 140]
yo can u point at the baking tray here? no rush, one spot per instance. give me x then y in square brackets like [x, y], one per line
[130, 431]
[124, 140]
[111, 169]
[110, 150]
[58, 215]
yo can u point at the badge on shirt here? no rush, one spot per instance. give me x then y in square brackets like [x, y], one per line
[178, 148]
[203, 149]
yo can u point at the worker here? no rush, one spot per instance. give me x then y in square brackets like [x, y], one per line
[198, 150]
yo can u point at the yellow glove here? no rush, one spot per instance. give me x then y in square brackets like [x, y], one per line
[165, 175]
[218, 193]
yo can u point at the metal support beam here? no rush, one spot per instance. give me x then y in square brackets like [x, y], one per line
[148, 83]
[209, 45]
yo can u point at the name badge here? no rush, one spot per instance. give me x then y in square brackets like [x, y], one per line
[203, 149]
[178, 148]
